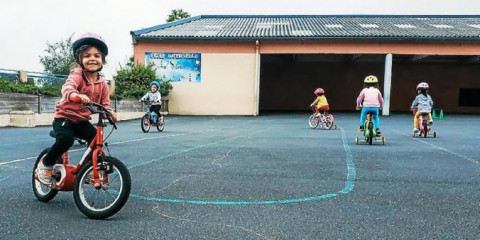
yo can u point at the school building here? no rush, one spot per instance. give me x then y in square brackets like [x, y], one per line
[249, 64]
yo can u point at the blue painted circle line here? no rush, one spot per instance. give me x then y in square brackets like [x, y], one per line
[349, 184]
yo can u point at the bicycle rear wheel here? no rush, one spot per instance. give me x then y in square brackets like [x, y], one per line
[106, 200]
[42, 192]
[145, 123]
[313, 121]
[425, 128]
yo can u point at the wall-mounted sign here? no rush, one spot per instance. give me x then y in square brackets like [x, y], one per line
[176, 67]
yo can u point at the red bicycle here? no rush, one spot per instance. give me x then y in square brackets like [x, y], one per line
[101, 184]
[423, 126]
[325, 120]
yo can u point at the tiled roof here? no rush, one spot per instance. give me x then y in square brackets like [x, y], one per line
[318, 27]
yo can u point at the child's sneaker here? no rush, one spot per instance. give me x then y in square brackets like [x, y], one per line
[44, 173]
[430, 122]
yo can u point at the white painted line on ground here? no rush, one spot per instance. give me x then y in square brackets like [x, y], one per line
[115, 143]
[474, 161]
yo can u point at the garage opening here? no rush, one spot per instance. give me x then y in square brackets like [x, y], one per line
[287, 81]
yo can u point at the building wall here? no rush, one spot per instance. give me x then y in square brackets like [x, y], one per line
[227, 87]
[338, 47]
[227, 84]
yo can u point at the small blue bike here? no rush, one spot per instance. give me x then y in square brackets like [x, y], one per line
[150, 119]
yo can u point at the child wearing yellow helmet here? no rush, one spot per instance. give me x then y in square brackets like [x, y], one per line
[370, 100]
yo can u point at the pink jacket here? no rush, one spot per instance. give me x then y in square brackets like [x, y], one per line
[97, 92]
[370, 97]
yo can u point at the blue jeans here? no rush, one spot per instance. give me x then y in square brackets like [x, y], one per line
[375, 118]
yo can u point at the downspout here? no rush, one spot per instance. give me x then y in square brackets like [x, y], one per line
[257, 77]
[387, 84]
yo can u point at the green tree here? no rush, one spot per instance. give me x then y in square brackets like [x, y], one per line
[177, 14]
[59, 57]
[134, 81]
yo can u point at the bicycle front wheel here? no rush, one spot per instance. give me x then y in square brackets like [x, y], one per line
[161, 126]
[313, 121]
[108, 198]
[145, 123]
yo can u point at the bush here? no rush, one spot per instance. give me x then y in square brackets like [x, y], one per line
[28, 88]
[134, 82]
[165, 88]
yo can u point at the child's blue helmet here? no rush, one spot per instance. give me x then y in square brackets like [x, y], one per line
[155, 83]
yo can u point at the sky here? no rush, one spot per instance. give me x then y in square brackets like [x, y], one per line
[28, 25]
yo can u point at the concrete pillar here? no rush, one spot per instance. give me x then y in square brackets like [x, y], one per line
[387, 84]
[257, 78]
[22, 76]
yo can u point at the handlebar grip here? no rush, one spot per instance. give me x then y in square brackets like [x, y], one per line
[110, 120]
[77, 99]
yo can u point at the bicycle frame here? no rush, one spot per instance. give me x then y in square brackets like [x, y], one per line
[422, 123]
[68, 172]
[149, 113]
[368, 120]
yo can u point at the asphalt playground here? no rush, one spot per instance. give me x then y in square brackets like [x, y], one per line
[264, 177]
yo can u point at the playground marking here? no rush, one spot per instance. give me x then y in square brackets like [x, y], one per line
[349, 182]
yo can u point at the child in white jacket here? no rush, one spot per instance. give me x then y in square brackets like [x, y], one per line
[423, 103]
[155, 98]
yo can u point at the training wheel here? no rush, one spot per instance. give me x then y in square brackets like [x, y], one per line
[434, 134]
[356, 140]
[383, 140]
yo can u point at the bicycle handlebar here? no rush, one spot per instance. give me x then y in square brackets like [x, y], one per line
[99, 109]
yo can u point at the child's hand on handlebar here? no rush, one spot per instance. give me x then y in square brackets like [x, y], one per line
[80, 98]
[114, 116]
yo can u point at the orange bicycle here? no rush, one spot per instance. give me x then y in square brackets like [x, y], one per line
[101, 184]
